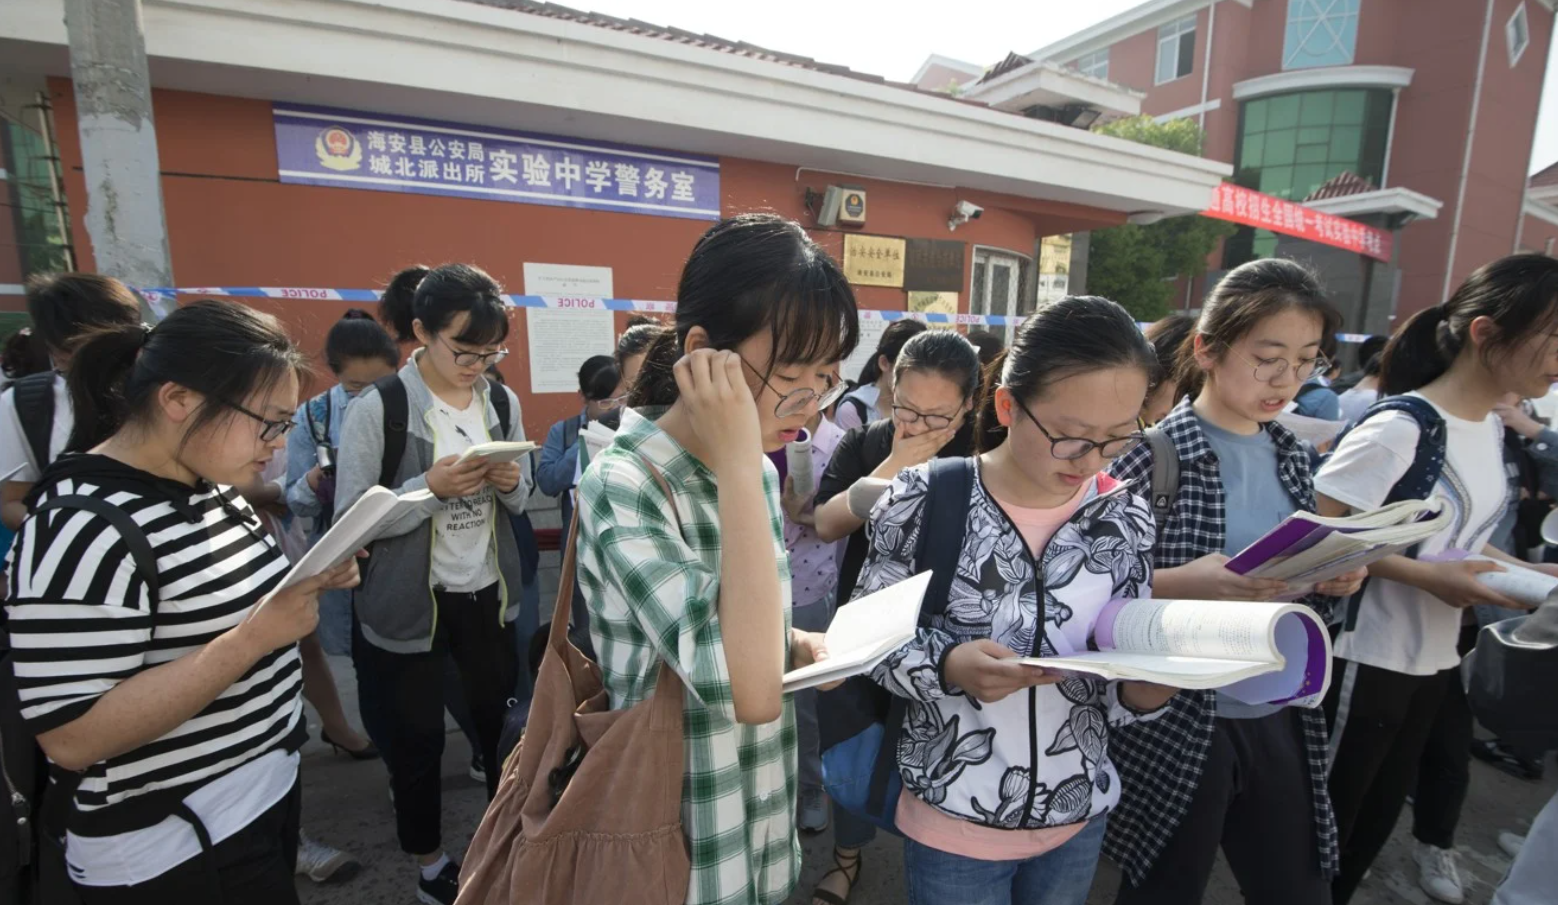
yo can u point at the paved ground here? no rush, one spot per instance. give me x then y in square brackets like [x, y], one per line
[346, 804]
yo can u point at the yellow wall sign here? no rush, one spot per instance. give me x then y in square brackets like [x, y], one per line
[873, 260]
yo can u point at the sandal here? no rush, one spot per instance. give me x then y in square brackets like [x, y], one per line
[844, 864]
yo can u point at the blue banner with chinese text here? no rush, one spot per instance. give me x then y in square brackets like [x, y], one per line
[347, 149]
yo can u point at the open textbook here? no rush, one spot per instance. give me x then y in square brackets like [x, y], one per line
[864, 632]
[1258, 653]
[499, 451]
[1307, 549]
[1527, 586]
[354, 530]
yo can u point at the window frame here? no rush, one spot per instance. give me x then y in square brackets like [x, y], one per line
[1322, 16]
[1173, 34]
[1095, 60]
[1523, 19]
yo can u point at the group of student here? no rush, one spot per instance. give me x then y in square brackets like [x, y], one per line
[162, 672]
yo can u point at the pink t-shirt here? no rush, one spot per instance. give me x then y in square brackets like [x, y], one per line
[930, 827]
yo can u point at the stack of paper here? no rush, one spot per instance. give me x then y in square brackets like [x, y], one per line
[596, 438]
[1307, 549]
[864, 632]
[499, 451]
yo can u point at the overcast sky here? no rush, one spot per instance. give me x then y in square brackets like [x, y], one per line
[892, 40]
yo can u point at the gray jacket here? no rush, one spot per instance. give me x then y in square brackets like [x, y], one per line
[395, 601]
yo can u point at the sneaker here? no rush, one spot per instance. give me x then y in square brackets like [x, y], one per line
[442, 889]
[1511, 843]
[813, 816]
[323, 864]
[478, 772]
[1501, 756]
[1437, 873]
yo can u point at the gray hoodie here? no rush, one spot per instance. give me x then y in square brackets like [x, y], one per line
[395, 601]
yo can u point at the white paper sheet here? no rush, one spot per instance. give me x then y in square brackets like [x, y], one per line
[1525, 585]
[864, 632]
[500, 450]
[870, 334]
[569, 280]
[353, 531]
[561, 339]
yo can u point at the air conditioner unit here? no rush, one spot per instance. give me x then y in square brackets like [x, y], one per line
[844, 205]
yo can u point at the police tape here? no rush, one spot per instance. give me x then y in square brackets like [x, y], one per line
[585, 303]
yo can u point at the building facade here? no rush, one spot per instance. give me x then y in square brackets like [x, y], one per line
[1431, 103]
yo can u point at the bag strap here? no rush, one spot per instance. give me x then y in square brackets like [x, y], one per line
[943, 523]
[397, 417]
[34, 397]
[129, 530]
[1165, 475]
[500, 405]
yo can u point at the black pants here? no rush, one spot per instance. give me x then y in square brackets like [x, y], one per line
[1254, 802]
[1444, 770]
[1380, 722]
[251, 867]
[411, 689]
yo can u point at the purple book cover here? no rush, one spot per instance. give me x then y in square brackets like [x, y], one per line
[1294, 535]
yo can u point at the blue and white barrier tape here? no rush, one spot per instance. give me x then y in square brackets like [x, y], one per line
[571, 303]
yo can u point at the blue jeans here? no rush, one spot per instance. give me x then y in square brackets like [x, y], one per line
[1061, 876]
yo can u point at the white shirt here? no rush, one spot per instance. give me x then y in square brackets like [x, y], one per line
[1401, 628]
[14, 450]
[463, 561]
[1355, 402]
[224, 806]
[847, 417]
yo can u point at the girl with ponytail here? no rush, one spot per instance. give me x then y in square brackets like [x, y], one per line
[1397, 660]
[171, 700]
[697, 581]
[1006, 807]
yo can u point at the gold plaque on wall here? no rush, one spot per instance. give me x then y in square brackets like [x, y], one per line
[873, 261]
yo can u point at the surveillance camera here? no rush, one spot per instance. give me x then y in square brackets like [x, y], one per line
[969, 211]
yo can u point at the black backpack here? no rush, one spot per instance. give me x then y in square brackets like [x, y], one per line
[34, 397]
[397, 417]
[32, 844]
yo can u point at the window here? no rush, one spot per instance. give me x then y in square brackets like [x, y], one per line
[1320, 33]
[1095, 64]
[1517, 33]
[1176, 49]
[1002, 284]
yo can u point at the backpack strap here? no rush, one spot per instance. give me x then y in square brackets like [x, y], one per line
[500, 404]
[859, 405]
[397, 416]
[1165, 475]
[34, 397]
[130, 530]
[943, 520]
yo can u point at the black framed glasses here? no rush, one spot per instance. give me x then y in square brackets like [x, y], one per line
[795, 401]
[272, 429]
[472, 359]
[906, 415]
[1270, 369]
[1068, 449]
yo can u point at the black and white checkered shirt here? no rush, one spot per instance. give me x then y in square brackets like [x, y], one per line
[1160, 762]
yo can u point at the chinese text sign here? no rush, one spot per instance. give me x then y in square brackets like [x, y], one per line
[322, 146]
[1251, 208]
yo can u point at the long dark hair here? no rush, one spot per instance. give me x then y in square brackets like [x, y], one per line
[746, 274]
[1243, 298]
[221, 350]
[1168, 338]
[1517, 293]
[358, 335]
[437, 296]
[897, 334]
[1076, 335]
[66, 306]
[598, 377]
[943, 352]
[24, 354]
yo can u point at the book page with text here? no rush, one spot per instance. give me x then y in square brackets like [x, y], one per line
[1230, 629]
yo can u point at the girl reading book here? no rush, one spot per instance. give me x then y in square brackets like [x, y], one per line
[446, 578]
[152, 656]
[700, 581]
[1215, 772]
[1396, 655]
[1006, 768]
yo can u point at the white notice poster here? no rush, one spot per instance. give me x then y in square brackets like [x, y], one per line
[870, 334]
[562, 338]
[568, 279]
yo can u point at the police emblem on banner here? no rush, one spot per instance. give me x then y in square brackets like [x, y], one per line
[338, 149]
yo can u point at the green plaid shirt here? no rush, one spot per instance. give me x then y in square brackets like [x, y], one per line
[653, 594]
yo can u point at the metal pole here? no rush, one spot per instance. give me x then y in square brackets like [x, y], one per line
[124, 217]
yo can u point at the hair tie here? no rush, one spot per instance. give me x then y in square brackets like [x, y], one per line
[145, 334]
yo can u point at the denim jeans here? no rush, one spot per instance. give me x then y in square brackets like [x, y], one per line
[1061, 876]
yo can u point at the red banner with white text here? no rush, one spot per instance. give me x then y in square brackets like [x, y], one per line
[1238, 204]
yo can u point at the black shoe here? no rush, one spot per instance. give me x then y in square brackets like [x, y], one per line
[442, 889]
[1499, 755]
[478, 771]
[367, 753]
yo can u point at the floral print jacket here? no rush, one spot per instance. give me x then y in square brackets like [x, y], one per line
[1040, 757]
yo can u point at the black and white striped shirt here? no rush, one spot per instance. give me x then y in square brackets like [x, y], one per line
[81, 621]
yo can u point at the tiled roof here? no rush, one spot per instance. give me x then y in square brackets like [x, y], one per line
[1012, 61]
[1341, 186]
[1546, 177]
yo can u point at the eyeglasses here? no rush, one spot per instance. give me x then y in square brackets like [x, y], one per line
[472, 359]
[272, 429]
[614, 402]
[1068, 449]
[1270, 369]
[906, 415]
[796, 401]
